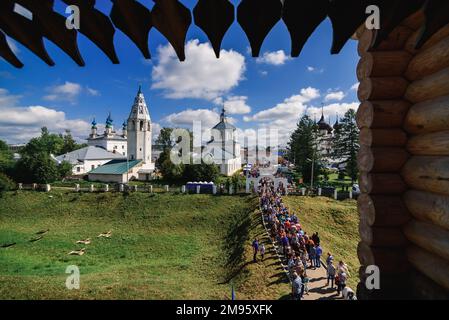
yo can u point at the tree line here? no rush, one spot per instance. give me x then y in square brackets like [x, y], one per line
[305, 151]
[35, 164]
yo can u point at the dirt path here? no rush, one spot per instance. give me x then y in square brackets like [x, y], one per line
[318, 288]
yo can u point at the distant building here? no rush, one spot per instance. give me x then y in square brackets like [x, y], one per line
[138, 165]
[110, 140]
[89, 158]
[326, 134]
[223, 147]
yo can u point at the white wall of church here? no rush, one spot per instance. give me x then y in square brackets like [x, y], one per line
[88, 166]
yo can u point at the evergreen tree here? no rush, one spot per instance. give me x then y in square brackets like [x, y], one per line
[346, 144]
[303, 149]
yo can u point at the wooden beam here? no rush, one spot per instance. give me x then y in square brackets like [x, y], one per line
[381, 159]
[429, 116]
[428, 88]
[428, 236]
[430, 264]
[382, 211]
[428, 206]
[383, 64]
[390, 88]
[427, 174]
[382, 183]
[382, 137]
[429, 61]
[381, 237]
[430, 144]
[382, 113]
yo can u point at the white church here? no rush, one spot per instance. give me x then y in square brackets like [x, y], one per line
[135, 144]
[223, 147]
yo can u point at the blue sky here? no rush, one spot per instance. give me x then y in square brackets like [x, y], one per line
[272, 91]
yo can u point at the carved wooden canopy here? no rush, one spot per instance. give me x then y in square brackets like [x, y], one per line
[214, 17]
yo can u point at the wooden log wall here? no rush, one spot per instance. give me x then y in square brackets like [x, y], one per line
[404, 162]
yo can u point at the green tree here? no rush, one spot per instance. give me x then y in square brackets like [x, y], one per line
[170, 171]
[64, 170]
[346, 144]
[201, 172]
[6, 158]
[6, 183]
[303, 149]
[38, 168]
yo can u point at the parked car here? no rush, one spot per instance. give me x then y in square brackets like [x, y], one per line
[355, 190]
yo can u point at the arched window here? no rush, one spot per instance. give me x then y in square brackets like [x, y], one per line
[141, 125]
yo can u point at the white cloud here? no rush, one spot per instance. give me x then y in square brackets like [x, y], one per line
[234, 104]
[355, 87]
[93, 92]
[335, 96]
[201, 75]
[263, 73]
[288, 109]
[186, 118]
[19, 124]
[69, 92]
[314, 69]
[284, 116]
[332, 110]
[276, 58]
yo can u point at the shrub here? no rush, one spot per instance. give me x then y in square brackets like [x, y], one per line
[6, 184]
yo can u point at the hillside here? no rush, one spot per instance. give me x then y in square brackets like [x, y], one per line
[337, 224]
[165, 246]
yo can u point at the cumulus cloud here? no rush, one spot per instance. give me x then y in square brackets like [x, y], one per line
[18, 124]
[355, 86]
[234, 104]
[287, 109]
[201, 76]
[332, 110]
[276, 58]
[69, 92]
[284, 116]
[334, 96]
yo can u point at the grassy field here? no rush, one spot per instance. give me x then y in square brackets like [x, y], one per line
[163, 246]
[337, 224]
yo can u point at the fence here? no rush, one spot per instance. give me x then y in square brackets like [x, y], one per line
[124, 188]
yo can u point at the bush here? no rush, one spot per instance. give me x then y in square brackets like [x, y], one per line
[6, 184]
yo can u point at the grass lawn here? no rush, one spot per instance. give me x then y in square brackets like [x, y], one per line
[337, 224]
[164, 246]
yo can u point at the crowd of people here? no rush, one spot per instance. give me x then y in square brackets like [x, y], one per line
[301, 251]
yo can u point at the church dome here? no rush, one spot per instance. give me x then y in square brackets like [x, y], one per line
[323, 125]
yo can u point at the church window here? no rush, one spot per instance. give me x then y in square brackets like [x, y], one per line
[141, 125]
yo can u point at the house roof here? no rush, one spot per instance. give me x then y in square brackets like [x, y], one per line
[88, 153]
[172, 19]
[116, 167]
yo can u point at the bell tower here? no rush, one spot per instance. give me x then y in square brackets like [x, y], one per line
[139, 130]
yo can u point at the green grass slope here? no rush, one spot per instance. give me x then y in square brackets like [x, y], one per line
[163, 246]
[337, 224]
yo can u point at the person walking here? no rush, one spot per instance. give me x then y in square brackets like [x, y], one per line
[312, 256]
[255, 249]
[296, 287]
[342, 277]
[318, 254]
[329, 259]
[331, 274]
[262, 251]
